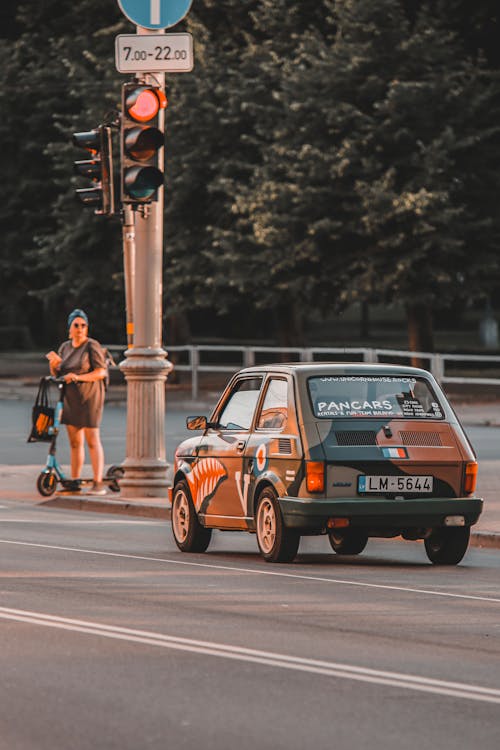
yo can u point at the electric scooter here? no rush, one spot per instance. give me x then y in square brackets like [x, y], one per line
[52, 473]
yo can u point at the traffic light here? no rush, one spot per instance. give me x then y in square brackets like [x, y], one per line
[142, 139]
[99, 169]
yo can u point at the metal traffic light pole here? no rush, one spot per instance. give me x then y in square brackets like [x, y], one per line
[146, 366]
[128, 239]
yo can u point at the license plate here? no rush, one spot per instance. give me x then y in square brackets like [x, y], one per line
[395, 484]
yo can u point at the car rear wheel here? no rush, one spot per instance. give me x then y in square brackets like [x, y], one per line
[276, 542]
[349, 542]
[189, 534]
[447, 546]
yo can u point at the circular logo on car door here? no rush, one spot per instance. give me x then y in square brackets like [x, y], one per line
[261, 458]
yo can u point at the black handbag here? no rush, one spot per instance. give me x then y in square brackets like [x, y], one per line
[42, 416]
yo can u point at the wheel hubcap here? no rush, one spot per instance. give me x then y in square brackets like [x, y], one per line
[266, 525]
[180, 516]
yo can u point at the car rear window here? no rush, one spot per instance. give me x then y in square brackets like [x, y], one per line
[373, 396]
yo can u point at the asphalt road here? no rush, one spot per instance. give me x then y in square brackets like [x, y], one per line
[16, 420]
[111, 638]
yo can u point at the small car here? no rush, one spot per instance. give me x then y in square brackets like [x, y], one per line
[349, 450]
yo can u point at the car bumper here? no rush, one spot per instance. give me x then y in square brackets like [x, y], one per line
[312, 513]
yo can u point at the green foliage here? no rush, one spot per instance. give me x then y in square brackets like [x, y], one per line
[372, 132]
[58, 77]
[320, 153]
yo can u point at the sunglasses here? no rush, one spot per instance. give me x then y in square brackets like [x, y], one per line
[80, 325]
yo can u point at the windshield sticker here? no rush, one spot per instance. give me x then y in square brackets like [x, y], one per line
[369, 379]
[354, 408]
[401, 397]
[411, 407]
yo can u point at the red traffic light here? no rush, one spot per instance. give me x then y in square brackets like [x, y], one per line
[141, 142]
[144, 102]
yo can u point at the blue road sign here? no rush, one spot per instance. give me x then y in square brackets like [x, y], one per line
[155, 14]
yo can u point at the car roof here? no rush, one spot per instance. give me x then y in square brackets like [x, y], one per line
[311, 369]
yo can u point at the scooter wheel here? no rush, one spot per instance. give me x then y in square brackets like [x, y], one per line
[46, 483]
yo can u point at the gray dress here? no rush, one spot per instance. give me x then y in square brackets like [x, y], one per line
[83, 402]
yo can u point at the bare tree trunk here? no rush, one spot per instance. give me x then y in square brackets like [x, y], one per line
[288, 326]
[364, 328]
[420, 331]
[54, 316]
[177, 332]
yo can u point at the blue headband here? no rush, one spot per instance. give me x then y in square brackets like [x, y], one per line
[77, 314]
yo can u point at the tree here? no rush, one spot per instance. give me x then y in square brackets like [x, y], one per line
[49, 79]
[371, 144]
[320, 153]
[261, 246]
[431, 239]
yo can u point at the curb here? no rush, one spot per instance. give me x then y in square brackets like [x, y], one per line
[484, 539]
[106, 505]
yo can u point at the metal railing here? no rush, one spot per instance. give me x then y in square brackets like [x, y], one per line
[209, 358]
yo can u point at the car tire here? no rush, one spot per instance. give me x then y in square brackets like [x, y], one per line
[350, 542]
[276, 542]
[189, 534]
[447, 546]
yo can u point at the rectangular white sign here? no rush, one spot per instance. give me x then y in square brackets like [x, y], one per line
[154, 53]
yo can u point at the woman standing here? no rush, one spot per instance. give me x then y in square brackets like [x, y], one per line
[81, 362]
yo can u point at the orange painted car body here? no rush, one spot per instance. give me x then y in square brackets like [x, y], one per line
[381, 452]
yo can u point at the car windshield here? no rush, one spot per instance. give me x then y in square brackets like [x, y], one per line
[373, 396]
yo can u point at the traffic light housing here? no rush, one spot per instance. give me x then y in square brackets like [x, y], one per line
[99, 169]
[142, 139]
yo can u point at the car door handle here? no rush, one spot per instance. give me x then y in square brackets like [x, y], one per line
[240, 445]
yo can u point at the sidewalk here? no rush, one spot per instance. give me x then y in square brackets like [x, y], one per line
[19, 483]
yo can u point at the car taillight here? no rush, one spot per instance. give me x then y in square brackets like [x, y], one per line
[315, 476]
[470, 478]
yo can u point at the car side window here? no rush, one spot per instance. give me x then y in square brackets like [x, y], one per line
[238, 410]
[274, 412]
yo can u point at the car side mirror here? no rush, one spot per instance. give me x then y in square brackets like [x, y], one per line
[196, 423]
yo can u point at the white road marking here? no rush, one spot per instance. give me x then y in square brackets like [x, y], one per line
[266, 658]
[77, 522]
[253, 571]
